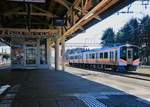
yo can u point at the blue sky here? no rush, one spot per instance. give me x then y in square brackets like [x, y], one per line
[115, 21]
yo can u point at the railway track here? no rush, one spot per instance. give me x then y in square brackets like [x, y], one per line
[131, 74]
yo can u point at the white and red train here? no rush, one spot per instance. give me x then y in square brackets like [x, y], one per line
[119, 58]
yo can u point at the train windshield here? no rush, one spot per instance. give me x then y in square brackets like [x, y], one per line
[123, 53]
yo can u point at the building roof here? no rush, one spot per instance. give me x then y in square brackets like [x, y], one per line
[73, 16]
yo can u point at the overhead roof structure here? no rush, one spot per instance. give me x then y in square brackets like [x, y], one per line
[72, 16]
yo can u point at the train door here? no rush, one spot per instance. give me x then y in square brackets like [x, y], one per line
[129, 56]
[116, 56]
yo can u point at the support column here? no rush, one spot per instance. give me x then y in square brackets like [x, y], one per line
[38, 52]
[63, 53]
[49, 53]
[57, 54]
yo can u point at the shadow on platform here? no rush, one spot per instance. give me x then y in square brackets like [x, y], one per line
[49, 88]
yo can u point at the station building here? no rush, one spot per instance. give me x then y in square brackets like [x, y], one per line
[29, 53]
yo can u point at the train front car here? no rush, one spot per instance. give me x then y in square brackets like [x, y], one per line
[129, 57]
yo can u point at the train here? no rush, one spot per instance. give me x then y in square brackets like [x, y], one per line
[120, 58]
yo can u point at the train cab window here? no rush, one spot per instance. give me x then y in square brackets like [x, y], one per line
[101, 55]
[123, 53]
[105, 54]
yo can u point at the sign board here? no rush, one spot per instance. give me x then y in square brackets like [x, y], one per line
[58, 21]
[37, 33]
[30, 1]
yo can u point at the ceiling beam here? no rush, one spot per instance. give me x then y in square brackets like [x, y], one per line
[64, 3]
[26, 30]
[42, 10]
[99, 8]
[75, 5]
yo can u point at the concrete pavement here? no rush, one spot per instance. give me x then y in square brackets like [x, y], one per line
[72, 88]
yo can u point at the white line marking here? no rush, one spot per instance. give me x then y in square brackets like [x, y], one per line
[8, 98]
[3, 88]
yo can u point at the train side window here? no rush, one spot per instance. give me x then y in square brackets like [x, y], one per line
[101, 55]
[105, 54]
[116, 54]
[112, 55]
[89, 56]
[93, 55]
[97, 55]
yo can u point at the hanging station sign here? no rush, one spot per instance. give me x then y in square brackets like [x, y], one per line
[35, 33]
[30, 1]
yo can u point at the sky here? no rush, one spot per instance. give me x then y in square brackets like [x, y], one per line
[4, 49]
[115, 21]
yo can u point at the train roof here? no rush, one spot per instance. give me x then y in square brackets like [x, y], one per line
[108, 48]
[105, 48]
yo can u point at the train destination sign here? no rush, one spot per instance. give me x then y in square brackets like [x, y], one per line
[25, 33]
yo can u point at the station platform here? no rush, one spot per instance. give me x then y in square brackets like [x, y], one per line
[50, 88]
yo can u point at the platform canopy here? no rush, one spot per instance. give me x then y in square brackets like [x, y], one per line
[68, 17]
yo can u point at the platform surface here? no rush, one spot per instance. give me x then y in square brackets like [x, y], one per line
[49, 88]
